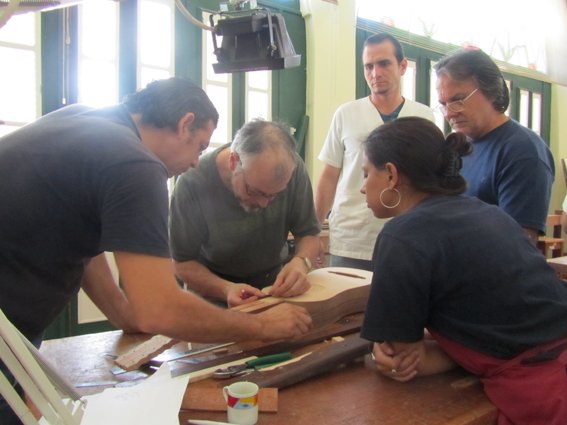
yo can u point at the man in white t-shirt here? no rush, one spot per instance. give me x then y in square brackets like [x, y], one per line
[352, 227]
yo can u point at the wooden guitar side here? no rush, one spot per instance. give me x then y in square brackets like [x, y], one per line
[335, 293]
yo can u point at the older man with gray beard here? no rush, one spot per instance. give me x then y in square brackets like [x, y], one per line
[231, 216]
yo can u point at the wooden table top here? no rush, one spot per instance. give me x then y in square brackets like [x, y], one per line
[352, 394]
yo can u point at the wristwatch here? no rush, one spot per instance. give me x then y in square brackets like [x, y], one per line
[307, 262]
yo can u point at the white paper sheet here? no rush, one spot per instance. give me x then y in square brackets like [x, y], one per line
[155, 401]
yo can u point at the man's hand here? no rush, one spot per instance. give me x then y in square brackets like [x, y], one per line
[241, 293]
[398, 365]
[291, 280]
[284, 321]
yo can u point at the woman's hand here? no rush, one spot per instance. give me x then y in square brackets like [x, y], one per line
[400, 365]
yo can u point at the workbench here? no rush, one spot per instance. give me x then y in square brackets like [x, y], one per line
[350, 394]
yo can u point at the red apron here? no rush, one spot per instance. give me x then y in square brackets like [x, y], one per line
[529, 389]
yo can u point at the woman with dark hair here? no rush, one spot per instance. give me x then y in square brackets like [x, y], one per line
[464, 271]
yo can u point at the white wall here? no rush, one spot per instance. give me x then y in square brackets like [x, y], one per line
[330, 33]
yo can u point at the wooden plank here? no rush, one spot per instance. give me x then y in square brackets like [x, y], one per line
[345, 326]
[144, 352]
[323, 360]
[211, 399]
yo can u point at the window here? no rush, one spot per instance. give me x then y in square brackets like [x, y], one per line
[97, 65]
[408, 81]
[258, 95]
[155, 40]
[219, 94]
[257, 92]
[438, 114]
[520, 41]
[19, 82]
[219, 89]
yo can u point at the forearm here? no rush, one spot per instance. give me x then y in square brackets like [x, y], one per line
[434, 359]
[325, 193]
[101, 287]
[307, 246]
[323, 202]
[404, 361]
[200, 279]
[190, 318]
[161, 307]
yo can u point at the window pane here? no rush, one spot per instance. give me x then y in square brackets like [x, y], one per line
[155, 33]
[147, 75]
[408, 81]
[219, 96]
[259, 80]
[257, 105]
[434, 99]
[97, 42]
[18, 85]
[218, 88]
[513, 31]
[97, 73]
[536, 113]
[524, 112]
[20, 29]
[98, 83]
[509, 85]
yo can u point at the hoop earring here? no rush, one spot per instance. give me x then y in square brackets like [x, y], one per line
[391, 206]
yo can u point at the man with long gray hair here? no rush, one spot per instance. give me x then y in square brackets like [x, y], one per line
[511, 166]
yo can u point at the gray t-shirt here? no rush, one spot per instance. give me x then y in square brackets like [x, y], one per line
[208, 224]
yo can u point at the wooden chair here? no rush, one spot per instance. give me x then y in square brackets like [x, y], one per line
[552, 246]
[55, 399]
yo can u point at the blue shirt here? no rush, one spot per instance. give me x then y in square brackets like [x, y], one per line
[512, 167]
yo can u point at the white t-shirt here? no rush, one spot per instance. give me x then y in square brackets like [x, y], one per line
[352, 226]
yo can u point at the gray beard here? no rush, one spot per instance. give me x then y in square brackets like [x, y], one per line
[248, 209]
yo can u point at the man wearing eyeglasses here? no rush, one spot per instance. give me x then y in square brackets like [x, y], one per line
[231, 216]
[511, 166]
